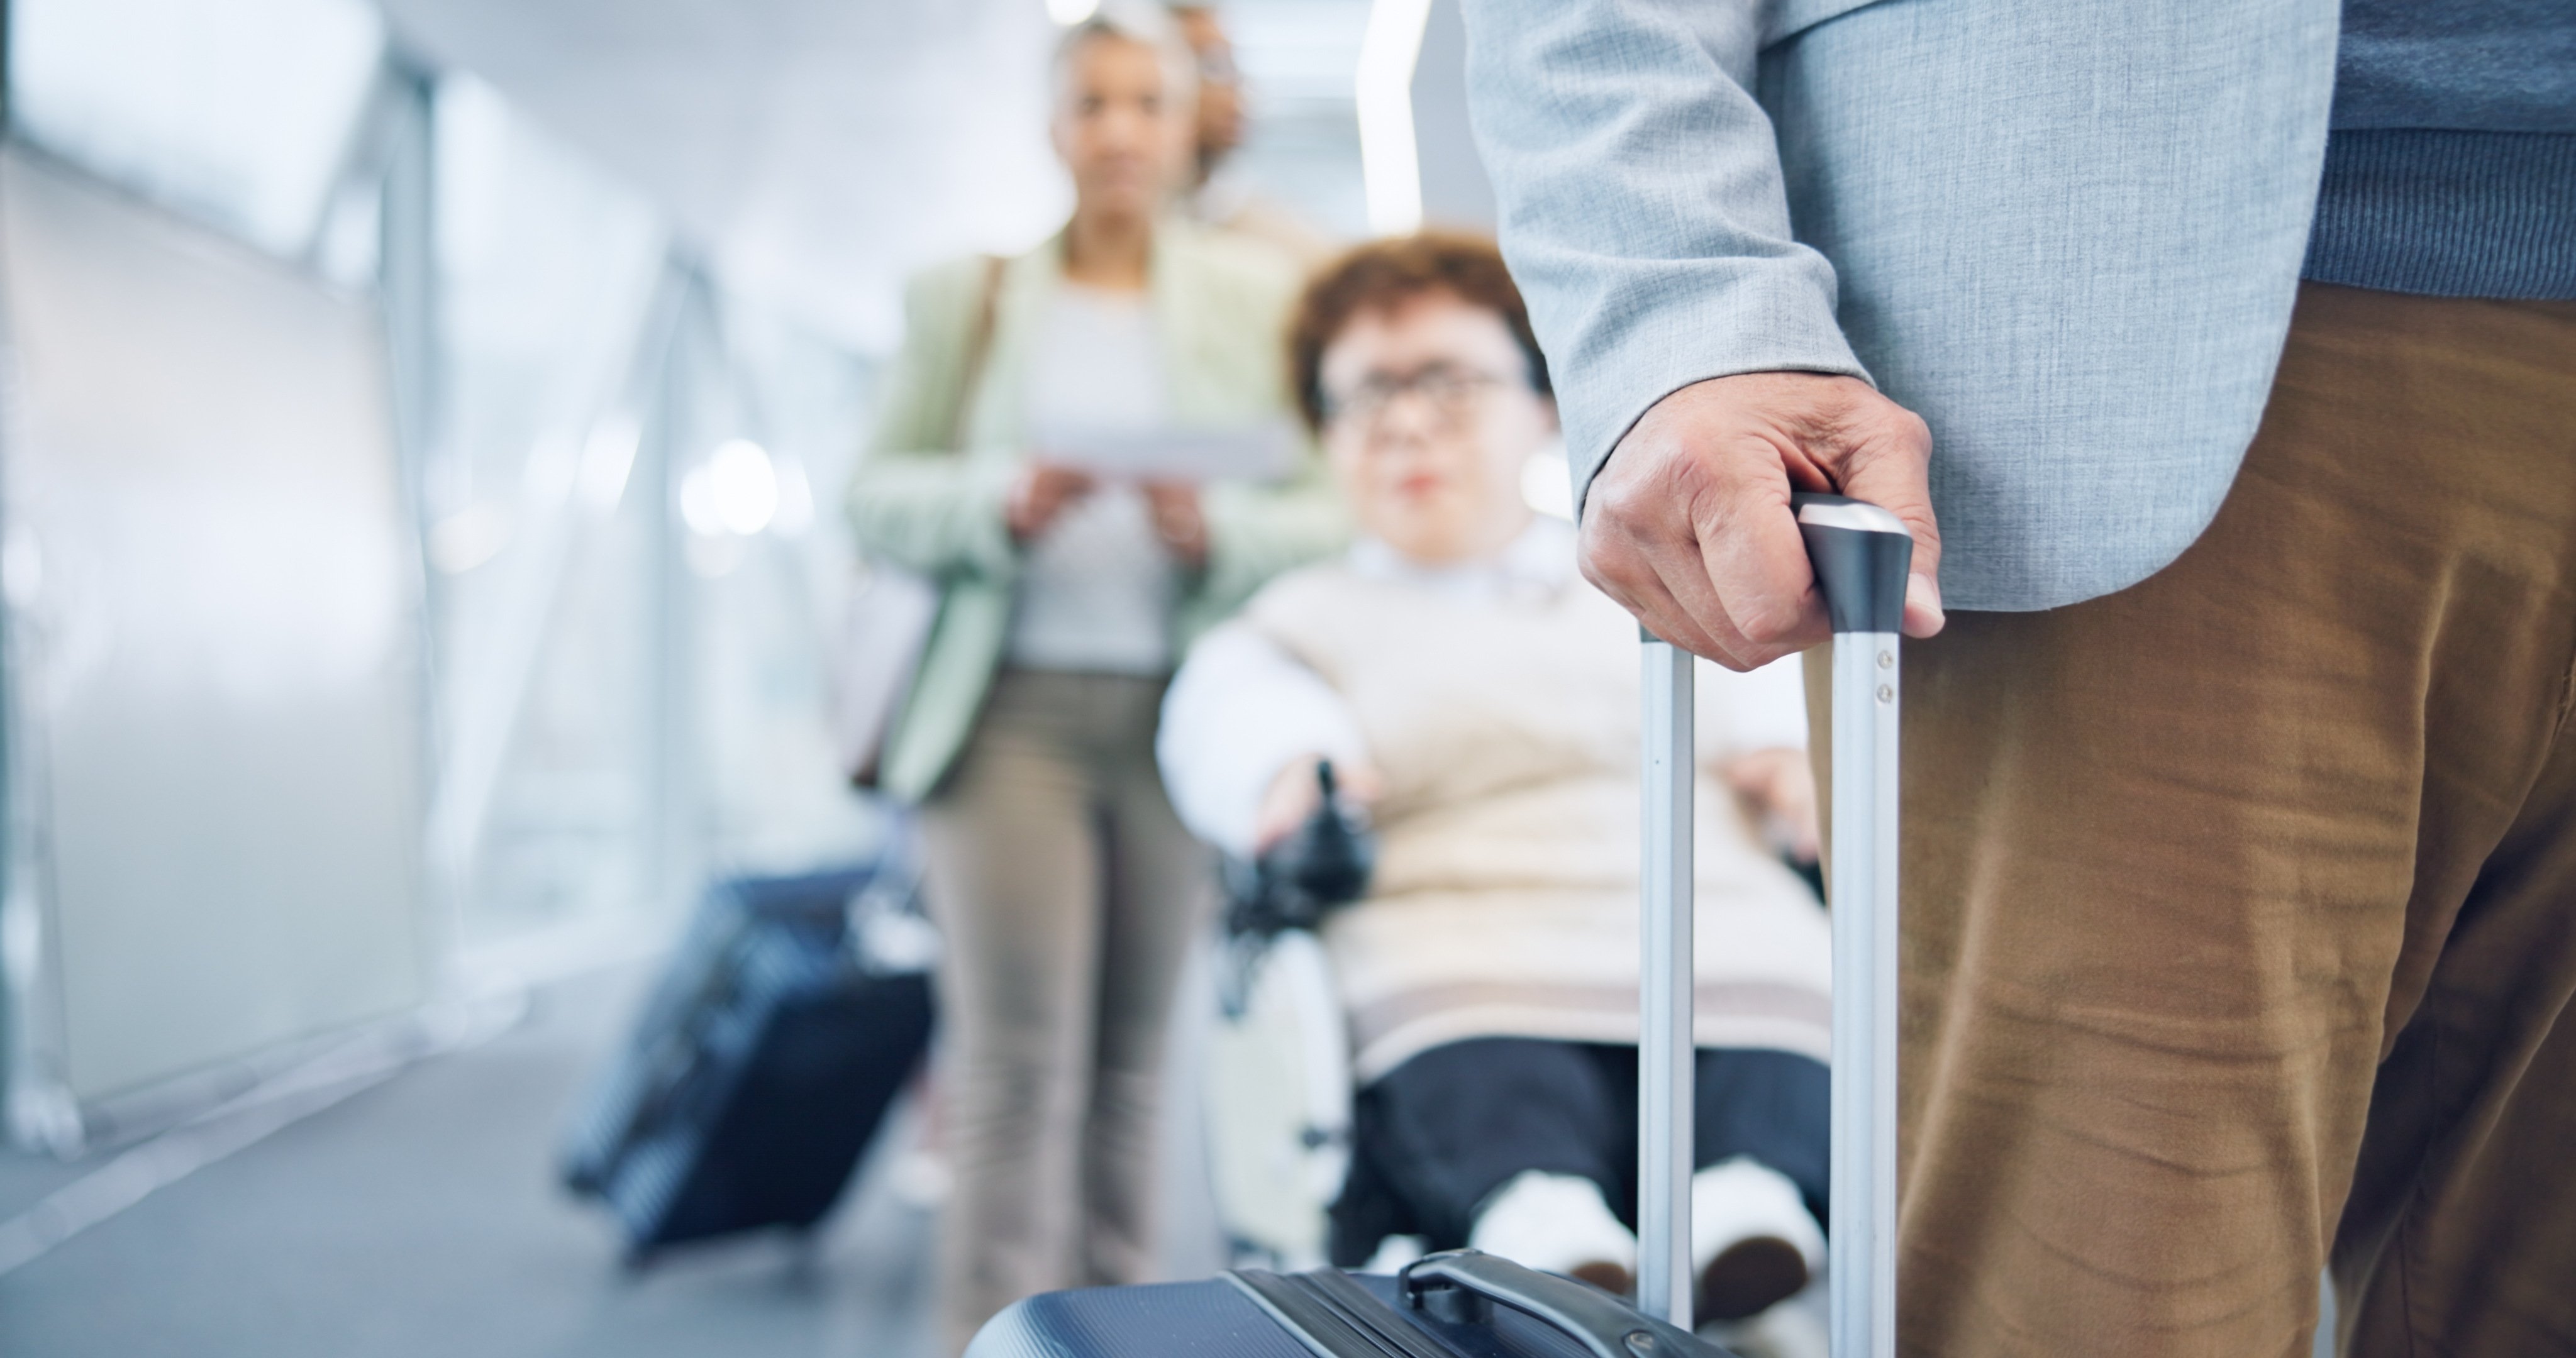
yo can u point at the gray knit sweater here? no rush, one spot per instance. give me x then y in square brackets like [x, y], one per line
[2451, 165]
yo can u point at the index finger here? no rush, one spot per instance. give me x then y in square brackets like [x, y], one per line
[1759, 577]
[1641, 581]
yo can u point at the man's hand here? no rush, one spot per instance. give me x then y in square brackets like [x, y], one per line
[1038, 495]
[1688, 522]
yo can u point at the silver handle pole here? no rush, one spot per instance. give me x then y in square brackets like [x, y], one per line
[1664, 1071]
[1861, 554]
[1863, 1236]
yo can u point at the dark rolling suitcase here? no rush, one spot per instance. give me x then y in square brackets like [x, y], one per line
[1461, 1304]
[763, 1062]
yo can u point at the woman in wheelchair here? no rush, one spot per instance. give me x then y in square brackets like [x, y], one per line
[1481, 700]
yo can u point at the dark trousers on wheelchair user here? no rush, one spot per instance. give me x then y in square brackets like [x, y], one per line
[1529, 1148]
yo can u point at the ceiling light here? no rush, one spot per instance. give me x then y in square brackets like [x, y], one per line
[1390, 160]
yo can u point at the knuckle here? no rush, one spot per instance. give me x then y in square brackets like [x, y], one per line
[1612, 570]
[1595, 571]
[1614, 498]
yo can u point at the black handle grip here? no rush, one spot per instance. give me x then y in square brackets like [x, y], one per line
[1604, 1327]
[1860, 553]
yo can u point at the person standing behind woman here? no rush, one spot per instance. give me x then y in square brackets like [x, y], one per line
[1066, 887]
[1216, 196]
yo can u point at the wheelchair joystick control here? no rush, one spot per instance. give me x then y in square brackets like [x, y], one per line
[1323, 864]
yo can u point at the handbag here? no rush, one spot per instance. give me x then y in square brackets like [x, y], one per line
[887, 624]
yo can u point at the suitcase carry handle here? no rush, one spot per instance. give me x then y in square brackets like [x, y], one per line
[1861, 554]
[1464, 1285]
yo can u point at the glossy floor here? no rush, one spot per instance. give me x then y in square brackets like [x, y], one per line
[419, 1218]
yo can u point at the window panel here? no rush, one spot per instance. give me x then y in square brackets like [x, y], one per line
[238, 112]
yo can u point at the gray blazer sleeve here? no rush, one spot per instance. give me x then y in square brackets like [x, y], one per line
[1641, 203]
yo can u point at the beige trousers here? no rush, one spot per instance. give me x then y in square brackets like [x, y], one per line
[1068, 893]
[2240, 907]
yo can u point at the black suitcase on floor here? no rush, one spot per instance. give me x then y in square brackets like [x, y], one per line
[1459, 1304]
[1462, 1304]
[764, 1060]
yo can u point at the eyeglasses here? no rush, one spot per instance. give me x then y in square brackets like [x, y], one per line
[1450, 392]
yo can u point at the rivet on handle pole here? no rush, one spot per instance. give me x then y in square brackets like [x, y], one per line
[1861, 553]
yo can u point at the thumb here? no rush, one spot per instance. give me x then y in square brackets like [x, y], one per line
[1893, 471]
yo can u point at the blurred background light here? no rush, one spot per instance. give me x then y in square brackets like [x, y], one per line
[1547, 486]
[607, 457]
[795, 500]
[698, 503]
[743, 486]
[1390, 162]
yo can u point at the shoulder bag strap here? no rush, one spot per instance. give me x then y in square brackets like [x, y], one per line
[979, 346]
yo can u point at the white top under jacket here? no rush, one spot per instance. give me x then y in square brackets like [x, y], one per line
[1097, 589]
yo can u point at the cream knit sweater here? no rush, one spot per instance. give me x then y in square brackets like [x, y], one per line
[1505, 901]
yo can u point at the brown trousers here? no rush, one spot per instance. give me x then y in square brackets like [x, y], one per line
[2240, 908]
[1067, 893]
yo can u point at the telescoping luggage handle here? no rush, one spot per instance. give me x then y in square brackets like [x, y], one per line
[1861, 554]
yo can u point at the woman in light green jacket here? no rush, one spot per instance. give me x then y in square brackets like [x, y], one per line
[1064, 883]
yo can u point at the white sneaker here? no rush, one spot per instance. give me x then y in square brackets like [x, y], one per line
[1753, 1242]
[1558, 1223]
